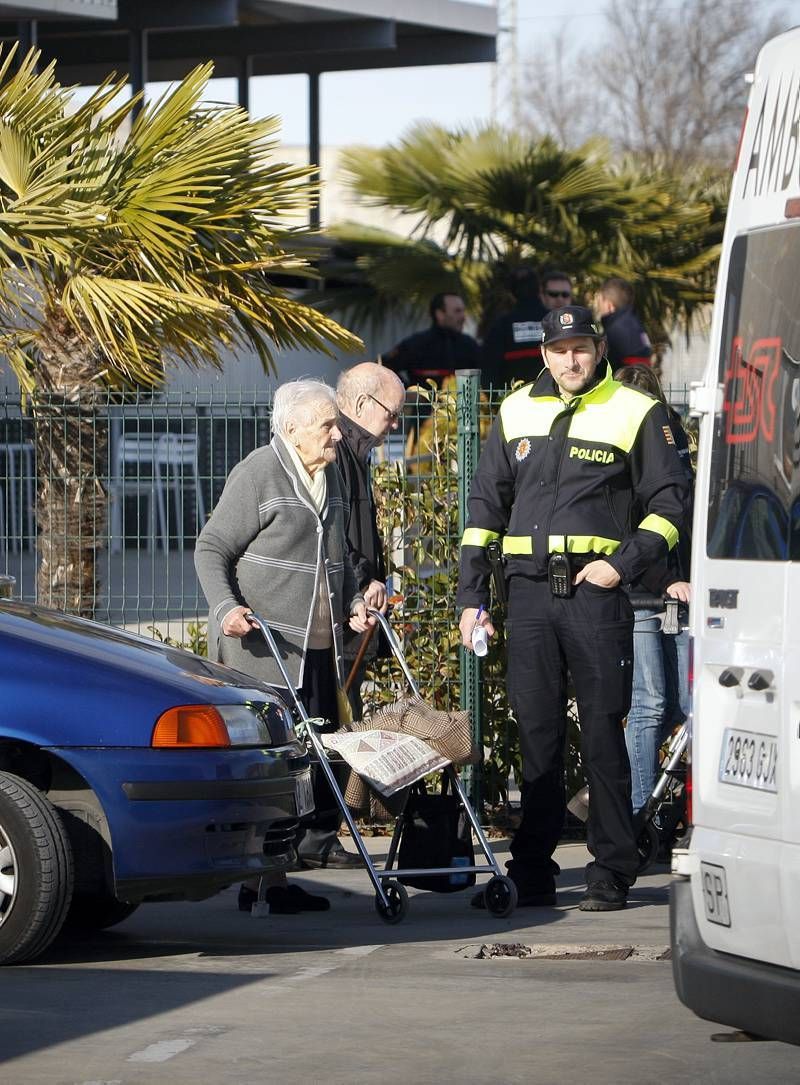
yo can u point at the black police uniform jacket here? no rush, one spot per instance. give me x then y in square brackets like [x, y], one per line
[558, 476]
[627, 341]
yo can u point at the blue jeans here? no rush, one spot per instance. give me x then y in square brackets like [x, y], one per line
[659, 700]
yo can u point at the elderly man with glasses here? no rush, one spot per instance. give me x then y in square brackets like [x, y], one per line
[370, 399]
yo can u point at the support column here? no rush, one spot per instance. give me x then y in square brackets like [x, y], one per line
[245, 74]
[137, 53]
[27, 37]
[313, 141]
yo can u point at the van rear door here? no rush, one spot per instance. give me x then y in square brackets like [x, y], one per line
[746, 794]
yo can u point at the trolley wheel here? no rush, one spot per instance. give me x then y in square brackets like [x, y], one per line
[647, 844]
[500, 895]
[398, 902]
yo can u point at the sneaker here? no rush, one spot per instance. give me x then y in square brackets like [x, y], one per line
[334, 858]
[605, 896]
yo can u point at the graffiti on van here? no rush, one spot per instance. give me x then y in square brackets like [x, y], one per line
[749, 402]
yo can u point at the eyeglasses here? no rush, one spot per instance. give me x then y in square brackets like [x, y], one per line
[392, 415]
[558, 293]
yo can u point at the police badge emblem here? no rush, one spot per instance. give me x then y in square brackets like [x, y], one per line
[523, 450]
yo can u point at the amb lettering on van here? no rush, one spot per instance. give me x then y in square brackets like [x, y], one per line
[594, 455]
[774, 159]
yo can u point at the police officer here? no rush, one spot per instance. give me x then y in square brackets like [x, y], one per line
[567, 462]
[512, 346]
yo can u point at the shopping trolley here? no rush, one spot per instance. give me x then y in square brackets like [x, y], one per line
[391, 898]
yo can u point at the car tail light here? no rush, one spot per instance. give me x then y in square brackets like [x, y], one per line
[190, 725]
[200, 725]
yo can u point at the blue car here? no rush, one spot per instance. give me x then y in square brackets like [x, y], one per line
[131, 771]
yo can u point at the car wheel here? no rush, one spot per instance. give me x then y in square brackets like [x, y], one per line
[96, 911]
[35, 871]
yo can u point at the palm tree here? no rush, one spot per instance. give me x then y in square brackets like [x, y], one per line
[479, 201]
[124, 243]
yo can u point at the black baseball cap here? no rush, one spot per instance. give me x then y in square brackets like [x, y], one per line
[568, 322]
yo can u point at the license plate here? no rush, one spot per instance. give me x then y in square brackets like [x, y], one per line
[748, 759]
[715, 894]
[304, 794]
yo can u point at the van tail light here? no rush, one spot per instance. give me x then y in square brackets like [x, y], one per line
[190, 725]
[690, 727]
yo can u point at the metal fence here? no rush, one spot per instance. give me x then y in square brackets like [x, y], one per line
[157, 464]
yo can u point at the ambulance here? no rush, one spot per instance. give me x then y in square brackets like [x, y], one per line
[735, 900]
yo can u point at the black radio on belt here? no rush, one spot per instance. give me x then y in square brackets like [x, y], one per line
[559, 574]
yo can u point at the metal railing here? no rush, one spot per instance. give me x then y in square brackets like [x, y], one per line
[122, 485]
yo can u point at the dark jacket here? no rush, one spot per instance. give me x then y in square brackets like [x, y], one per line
[512, 347]
[556, 476]
[627, 340]
[432, 355]
[361, 526]
[656, 579]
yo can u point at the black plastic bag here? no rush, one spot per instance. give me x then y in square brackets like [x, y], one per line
[436, 833]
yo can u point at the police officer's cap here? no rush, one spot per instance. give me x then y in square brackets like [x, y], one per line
[567, 323]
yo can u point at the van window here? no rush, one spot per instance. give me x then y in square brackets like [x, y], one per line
[754, 501]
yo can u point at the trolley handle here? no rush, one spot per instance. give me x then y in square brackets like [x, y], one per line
[397, 651]
[670, 607]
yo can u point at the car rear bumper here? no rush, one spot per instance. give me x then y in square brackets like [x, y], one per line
[750, 995]
[184, 823]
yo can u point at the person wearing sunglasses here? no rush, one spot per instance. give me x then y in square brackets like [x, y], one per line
[512, 349]
[556, 289]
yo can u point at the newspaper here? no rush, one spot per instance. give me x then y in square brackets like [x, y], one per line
[388, 760]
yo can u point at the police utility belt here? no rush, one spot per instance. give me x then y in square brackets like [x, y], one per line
[559, 573]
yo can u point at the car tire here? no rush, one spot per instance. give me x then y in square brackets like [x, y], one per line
[97, 911]
[36, 871]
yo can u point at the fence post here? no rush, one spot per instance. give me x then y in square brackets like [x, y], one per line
[467, 401]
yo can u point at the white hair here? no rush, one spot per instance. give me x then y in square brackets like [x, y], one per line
[298, 401]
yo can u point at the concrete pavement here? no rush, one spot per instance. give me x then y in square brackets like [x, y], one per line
[199, 992]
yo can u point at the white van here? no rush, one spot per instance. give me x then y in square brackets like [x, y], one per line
[735, 908]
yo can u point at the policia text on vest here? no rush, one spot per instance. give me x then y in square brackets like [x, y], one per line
[586, 468]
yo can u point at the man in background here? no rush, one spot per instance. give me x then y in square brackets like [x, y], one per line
[512, 348]
[556, 289]
[436, 353]
[370, 399]
[627, 341]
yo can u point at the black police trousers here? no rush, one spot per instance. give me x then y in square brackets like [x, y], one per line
[590, 635]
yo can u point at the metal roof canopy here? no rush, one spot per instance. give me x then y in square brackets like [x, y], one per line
[272, 37]
[161, 40]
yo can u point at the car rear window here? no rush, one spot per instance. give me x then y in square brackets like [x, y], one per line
[754, 501]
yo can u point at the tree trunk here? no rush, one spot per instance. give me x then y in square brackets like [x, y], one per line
[70, 413]
[71, 436]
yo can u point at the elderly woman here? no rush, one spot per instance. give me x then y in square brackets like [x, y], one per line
[276, 544]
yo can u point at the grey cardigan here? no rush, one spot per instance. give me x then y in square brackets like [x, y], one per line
[265, 547]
